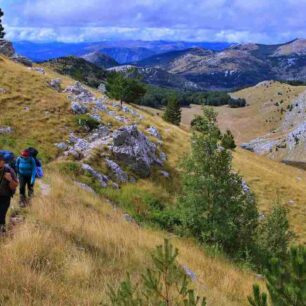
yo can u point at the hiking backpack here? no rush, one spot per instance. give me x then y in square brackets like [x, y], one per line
[9, 158]
[39, 170]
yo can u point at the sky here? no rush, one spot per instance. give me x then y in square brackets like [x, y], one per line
[241, 21]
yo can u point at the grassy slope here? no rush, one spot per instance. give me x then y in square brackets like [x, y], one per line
[72, 243]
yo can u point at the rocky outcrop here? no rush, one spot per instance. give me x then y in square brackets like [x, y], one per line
[132, 148]
[22, 60]
[56, 84]
[6, 48]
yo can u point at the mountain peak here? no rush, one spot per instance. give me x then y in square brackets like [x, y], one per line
[100, 59]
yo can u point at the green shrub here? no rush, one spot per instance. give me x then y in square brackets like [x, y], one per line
[87, 122]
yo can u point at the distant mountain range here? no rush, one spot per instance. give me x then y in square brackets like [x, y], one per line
[121, 51]
[235, 67]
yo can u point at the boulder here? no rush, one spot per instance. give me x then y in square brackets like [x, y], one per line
[79, 90]
[78, 108]
[101, 178]
[120, 175]
[133, 148]
[6, 48]
[62, 146]
[56, 84]
[154, 132]
[22, 60]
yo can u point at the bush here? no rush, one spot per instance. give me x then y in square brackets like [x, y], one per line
[273, 236]
[228, 141]
[166, 283]
[87, 122]
[235, 103]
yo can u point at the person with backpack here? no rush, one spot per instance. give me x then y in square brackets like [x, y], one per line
[26, 170]
[8, 185]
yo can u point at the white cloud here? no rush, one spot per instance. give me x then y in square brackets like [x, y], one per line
[238, 20]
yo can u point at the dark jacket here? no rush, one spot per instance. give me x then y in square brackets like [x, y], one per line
[5, 190]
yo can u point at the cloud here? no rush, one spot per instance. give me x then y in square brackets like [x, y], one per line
[229, 20]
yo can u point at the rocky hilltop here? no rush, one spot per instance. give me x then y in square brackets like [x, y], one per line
[235, 67]
[100, 59]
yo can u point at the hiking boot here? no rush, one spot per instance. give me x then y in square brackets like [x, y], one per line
[22, 202]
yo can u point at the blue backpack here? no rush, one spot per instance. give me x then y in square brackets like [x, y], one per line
[9, 158]
[39, 169]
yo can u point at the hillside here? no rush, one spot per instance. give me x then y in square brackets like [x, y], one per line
[74, 242]
[99, 59]
[79, 69]
[235, 67]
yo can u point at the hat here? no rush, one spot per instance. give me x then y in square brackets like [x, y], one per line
[25, 153]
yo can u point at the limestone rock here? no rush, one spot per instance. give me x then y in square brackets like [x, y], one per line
[56, 84]
[78, 108]
[101, 178]
[102, 88]
[121, 176]
[154, 132]
[39, 70]
[135, 150]
[5, 130]
[6, 48]
[22, 60]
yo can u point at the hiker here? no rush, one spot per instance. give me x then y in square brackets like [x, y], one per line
[26, 170]
[8, 185]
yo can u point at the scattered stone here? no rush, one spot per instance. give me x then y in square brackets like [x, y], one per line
[128, 218]
[100, 106]
[39, 70]
[78, 108]
[291, 202]
[85, 187]
[22, 60]
[261, 216]
[133, 148]
[245, 187]
[6, 130]
[190, 273]
[101, 178]
[6, 48]
[3, 91]
[162, 157]
[96, 117]
[102, 88]
[154, 132]
[56, 84]
[259, 276]
[62, 146]
[164, 173]
[79, 90]
[121, 176]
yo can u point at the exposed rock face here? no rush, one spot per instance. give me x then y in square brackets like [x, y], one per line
[6, 48]
[121, 176]
[56, 84]
[101, 178]
[102, 88]
[22, 60]
[135, 150]
[78, 108]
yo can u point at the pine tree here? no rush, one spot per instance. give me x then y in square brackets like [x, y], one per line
[2, 33]
[173, 111]
[215, 207]
[123, 89]
[286, 280]
[164, 284]
[228, 140]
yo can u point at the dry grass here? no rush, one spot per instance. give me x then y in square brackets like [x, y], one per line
[73, 244]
